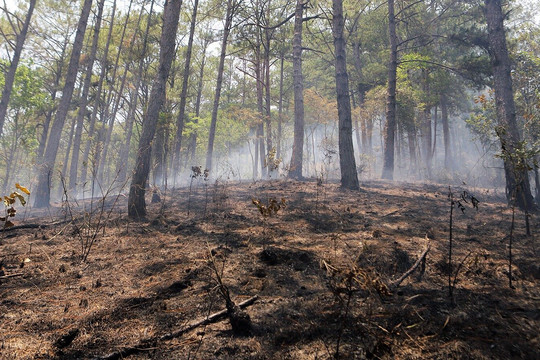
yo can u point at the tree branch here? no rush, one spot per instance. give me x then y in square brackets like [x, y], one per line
[151, 342]
[395, 284]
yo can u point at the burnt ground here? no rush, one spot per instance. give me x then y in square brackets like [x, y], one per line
[322, 269]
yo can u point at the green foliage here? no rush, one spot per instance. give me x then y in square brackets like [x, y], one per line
[482, 120]
[27, 94]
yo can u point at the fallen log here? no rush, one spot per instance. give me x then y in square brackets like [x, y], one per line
[152, 342]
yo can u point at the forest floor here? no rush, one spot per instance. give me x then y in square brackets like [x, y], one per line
[323, 268]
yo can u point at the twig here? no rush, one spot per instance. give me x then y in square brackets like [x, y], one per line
[394, 284]
[11, 275]
[144, 344]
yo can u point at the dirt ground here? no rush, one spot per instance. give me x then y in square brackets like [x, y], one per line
[324, 269]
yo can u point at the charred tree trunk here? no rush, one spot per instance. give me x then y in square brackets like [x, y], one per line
[43, 191]
[390, 129]
[349, 177]
[136, 201]
[295, 170]
[515, 168]
[10, 76]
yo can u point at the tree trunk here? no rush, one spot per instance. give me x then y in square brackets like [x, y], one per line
[123, 158]
[50, 112]
[448, 161]
[390, 128]
[295, 170]
[231, 5]
[427, 139]
[183, 95]
[259, 83]
[136, 201]
[267, 94]
[193, 138]
[349, 177]
[63, 172]
[280, 108]
[83, 101]
[515, 166]
[111, 117]
[411, 141]
[43, 191]
[427, 135]
[159, 145]
[10, 76]
[98, 104]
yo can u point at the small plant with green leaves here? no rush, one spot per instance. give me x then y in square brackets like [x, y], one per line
[9, 202]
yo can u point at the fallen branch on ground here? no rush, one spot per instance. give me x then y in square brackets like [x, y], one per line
[11, 275]
[37, 226]
[151, 342]
[394, 284]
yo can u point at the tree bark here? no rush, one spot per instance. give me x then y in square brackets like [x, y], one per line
[267, 93]
[83, 101]
[123, 157]
[98, 103]
[280, 108]
[259, 83]
[10, 76]
[448, 161]
[43, 191]
[390, 128]
[515, 168]
[53, 90]
[183, 95]
[136, 201]
[193, 137]
[231, 5]
[349, 177]
[111, 117]
[295, 170]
